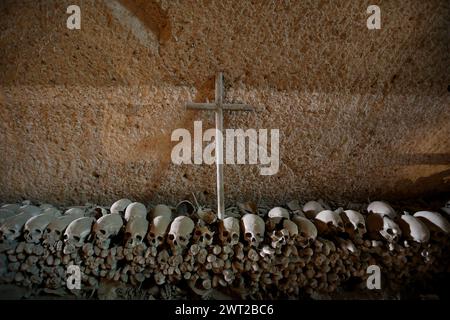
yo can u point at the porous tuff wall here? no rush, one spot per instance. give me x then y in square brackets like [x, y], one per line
[87, 115]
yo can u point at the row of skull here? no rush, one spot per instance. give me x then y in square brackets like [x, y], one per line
[46, 223]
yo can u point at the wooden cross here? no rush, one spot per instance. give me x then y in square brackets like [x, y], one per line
[218, 106]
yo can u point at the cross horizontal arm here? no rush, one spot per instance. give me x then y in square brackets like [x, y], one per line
[237, 107]
[202, 106]
[225, 106]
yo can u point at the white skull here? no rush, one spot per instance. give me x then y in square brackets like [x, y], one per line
[282, 237]
[277, 214]
[11, 206]
[12, 226]
[52, 211]
[329, 221]
[75, 211]
[203, 236]
[312, 208]
[355, 225]
[135, 210]
[78, 230]
[414, 229]
[162, 210]
[30, 209]
[291, 227]
[229, 231]
[382, 208]
[253, 229]
[434, 221]
[120, 206]
[5, 214]
[390, 231]
[56, 228]
[158, 230]
[34, 228]
[135, 231]
[306, 229]
[180, 232]
[106, 228]
[294, 206]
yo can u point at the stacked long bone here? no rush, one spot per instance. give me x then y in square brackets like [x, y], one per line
[253, 252]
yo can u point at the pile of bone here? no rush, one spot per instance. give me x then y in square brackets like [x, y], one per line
[253, 253]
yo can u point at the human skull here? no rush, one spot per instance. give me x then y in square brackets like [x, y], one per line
[5, 214]
[328, 221]
[120, 206]
[106, 228]
[34, 228]
[354, 223]
[294, 206]
[30, 209]
[11, 206]
[135, 210]
[162, 210]
[382, 208]
[307, 231]
[434, 221]
[52, 211]
[12, 226]
[277, 214]
[203, 236]
[282, 237]
[77, 211]
[56, 228]
[180, 232]
[135, 232]
[312, 208]
[390, 231]
[78, 231]
[253, 229]
[158, 230]
[229, 231]
[414, 229]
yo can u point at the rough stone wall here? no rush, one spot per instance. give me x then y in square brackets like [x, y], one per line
[87, 115]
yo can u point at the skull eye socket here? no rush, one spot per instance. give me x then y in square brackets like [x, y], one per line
[58, 233]
[360, 225]
[103, 232]
[248, 235]
[208, 236]
[390, 231]
[348, 225]
[225, 233]
[76, 238]
[12, 231]
[138, 238]
[198, 233]
[151, 235]
[235, 236]
[127, 235]
[303, 234]
[66, 237]
[159, 238]
[171, 237]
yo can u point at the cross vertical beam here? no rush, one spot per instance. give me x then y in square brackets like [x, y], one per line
[219, 147]
[218, 107]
